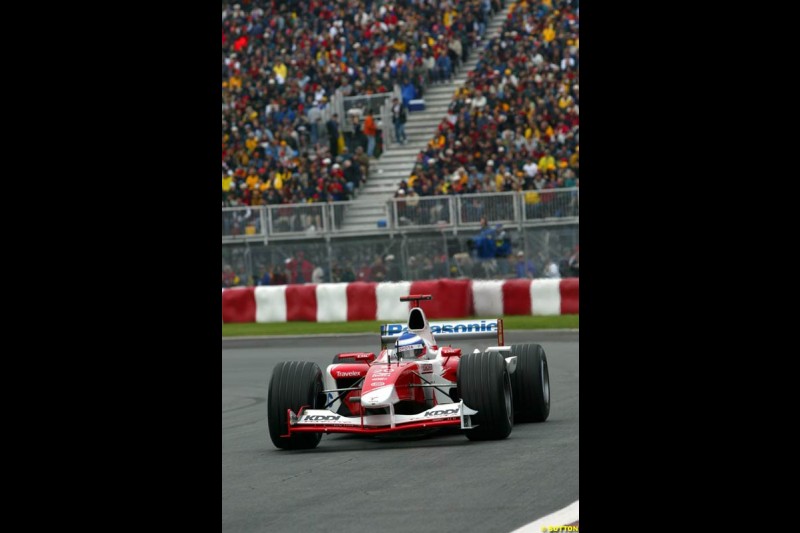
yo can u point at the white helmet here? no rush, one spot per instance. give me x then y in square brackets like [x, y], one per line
[410, 346]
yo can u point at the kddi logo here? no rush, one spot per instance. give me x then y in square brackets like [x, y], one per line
[320, 418]
[442, 412]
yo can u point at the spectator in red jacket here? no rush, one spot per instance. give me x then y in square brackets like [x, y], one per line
[299, 269]
[370, 130]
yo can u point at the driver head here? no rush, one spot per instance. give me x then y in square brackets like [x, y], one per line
[410, 346]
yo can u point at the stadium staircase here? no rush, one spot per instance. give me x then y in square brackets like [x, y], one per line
[396, 162]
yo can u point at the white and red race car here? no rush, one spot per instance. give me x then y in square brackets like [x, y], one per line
[413, 383]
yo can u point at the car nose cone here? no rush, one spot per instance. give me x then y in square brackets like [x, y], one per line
[380, 397]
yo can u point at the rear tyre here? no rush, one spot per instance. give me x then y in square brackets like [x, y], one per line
[484, 385]
[293, 385]
[530, 383]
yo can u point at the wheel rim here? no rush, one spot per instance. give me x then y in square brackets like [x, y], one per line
[545, 381]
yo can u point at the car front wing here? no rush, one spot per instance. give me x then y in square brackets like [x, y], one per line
[326, 421]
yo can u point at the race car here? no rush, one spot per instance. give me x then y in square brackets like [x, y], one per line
[414, 383]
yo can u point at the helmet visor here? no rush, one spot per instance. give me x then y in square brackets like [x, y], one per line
[410, 351]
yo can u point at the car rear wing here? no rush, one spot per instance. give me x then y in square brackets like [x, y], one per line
[452, 330]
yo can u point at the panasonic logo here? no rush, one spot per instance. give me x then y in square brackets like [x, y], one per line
[442, 412]
[464, 328]
[396, 329]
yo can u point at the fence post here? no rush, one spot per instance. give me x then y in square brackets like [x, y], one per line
[330, 257]
[262, 214]
[452, 201]
[458, 212]
[248, 261]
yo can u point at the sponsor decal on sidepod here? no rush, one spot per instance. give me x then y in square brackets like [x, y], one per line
[347, 374]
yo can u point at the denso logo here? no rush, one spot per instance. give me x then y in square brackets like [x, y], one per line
[349, 374]
[442, 412]
[319, 418]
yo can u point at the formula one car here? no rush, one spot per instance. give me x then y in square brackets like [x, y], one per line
[413, 383]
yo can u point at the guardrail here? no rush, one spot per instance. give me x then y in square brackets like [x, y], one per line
[402, 215]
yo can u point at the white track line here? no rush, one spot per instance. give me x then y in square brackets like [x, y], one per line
[567, 515]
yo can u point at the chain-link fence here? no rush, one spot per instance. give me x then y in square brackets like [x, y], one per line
[524, 252]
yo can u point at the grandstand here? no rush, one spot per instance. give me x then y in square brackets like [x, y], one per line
[498, 136]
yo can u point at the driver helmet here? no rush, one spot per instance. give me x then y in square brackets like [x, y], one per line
[410, 346]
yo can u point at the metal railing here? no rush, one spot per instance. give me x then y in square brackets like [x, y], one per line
[465, 211]
[380, 104]
[359, 105]
[402, 215]
[295, 220]
[427, 211]
[242, 222]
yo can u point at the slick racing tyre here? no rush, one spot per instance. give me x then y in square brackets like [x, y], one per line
[484, 385]
[530, 383]
[293, 385]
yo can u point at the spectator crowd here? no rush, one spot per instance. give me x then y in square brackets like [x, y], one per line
[514, 125]
[283, 61]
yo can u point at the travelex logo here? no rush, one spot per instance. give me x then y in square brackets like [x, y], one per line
[460, 327]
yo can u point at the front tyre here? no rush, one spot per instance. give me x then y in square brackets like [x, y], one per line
[484, 385]
[530, 383]
[293, 385]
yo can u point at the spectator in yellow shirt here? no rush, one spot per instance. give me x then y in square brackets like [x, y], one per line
[252, 180]
[280, 71]
[574, 158]
[547, 162]
[277, 182]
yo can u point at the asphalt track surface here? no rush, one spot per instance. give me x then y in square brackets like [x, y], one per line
[440, 482]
